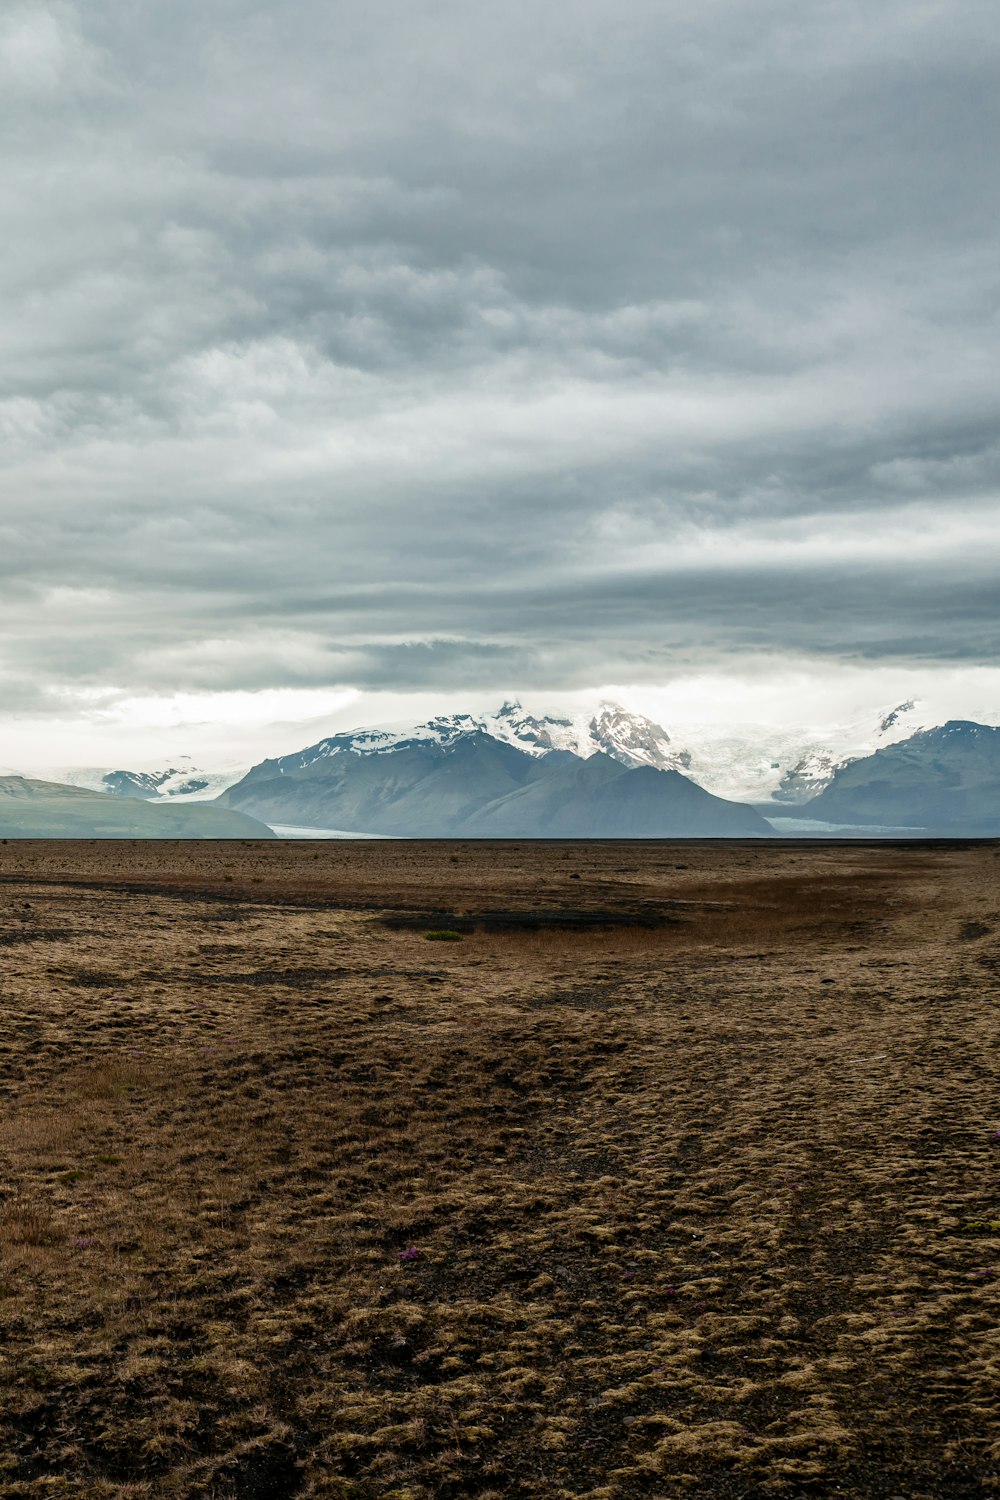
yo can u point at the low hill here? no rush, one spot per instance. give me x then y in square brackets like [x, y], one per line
[477, 786]
[46, 809]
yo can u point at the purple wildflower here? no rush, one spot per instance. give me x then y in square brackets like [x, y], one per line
[411, 1254]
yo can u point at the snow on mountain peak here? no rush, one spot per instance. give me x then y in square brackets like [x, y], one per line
[635, 740]
[181, 779]
[817, 764]
[629, 738]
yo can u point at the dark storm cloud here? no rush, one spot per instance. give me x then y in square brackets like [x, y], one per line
[406, 345]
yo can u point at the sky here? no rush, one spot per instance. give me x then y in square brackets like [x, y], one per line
[363, 356]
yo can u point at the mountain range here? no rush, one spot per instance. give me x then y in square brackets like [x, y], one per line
[743, 763]
[602, 773]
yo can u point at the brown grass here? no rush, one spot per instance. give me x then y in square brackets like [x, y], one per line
[704, 1201]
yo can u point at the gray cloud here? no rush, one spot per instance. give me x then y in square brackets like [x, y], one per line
[400, 346]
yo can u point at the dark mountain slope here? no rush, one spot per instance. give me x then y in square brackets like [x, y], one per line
[420, 787]
[601, 798]
[945, 780]
[480, 787]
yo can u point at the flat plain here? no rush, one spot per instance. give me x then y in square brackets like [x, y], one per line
[673, 1170]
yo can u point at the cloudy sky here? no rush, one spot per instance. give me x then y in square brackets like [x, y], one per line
[369, 352]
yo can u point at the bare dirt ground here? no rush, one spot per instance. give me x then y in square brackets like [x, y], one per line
[676, 1172]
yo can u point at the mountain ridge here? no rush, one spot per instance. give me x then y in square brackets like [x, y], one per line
[631, 738]
[945, 779]
[475, 785]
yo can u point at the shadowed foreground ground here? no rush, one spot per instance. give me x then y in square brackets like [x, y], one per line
[703, 1199]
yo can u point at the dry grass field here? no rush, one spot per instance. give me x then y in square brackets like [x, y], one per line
[675, 1172]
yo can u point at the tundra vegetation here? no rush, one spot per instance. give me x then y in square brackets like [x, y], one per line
[678, 1175]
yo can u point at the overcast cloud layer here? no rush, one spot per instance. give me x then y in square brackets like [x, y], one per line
[406, 346]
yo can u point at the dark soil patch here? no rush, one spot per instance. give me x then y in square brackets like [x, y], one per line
[560, 919]
[12, 937]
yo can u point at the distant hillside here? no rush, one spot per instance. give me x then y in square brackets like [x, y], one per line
[47, 809]
[477, 786]
[945, 780]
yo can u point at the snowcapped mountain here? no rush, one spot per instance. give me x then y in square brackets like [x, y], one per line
[471, 784]
[184, 782]
[635, 740]
[817, 766]
[760, 763]
[631, 739]
[944, 780]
